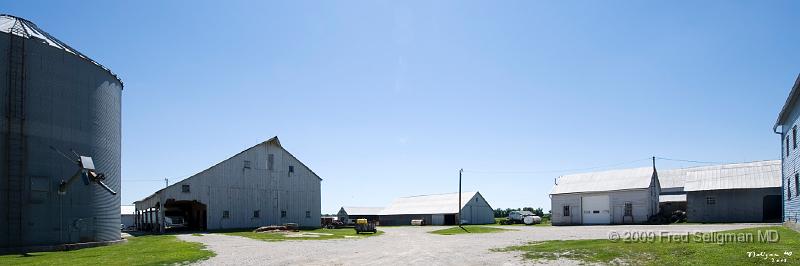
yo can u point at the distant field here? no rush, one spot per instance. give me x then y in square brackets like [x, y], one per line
[316, 234]
[143, 250]
[660, 251]
[469, 229]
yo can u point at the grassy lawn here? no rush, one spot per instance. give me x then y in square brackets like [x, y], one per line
[470, 229]
[143, 250]
[316, 234]
[663, 251]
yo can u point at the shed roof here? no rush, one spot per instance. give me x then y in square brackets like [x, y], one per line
[672, 198]
[760, 174]
[428, 204]
[24, 28]
[362, 210]
[624, 179]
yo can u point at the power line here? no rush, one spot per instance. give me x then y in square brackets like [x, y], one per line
[688, 161]
[142, 180]
[557, 171]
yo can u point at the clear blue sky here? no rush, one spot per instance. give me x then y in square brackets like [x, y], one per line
[386, 99]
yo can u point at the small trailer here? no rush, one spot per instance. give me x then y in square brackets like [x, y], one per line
[362, 225]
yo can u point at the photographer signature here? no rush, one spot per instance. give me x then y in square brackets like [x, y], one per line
[771, 257]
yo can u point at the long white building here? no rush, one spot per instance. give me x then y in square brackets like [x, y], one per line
[262, 185]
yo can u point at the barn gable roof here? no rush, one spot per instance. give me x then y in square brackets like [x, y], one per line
[429, 204]
[273, 140]
[790, 102]
[760, 174]
[362, 210]
[613, 180]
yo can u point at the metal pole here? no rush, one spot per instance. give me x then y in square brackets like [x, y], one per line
[166, 182]
[459, 196]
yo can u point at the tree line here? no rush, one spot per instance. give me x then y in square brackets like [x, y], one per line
[501, 213]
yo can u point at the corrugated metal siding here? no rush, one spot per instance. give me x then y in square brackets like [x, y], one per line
[228, 186]
[790, 167]
[70, 103]
[734, 205]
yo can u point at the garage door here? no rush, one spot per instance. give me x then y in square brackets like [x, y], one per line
[596, 210]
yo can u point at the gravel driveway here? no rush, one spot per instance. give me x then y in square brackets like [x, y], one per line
[413, 245]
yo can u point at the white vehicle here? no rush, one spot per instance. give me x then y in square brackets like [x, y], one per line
[519, 216]
[174, 222]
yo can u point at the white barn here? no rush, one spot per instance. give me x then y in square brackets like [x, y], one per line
[438, 209]
[262, 185]
[626, 196]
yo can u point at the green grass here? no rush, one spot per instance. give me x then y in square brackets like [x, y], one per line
[660, 251]
[469, 229]
[143, 250]
[318, 234]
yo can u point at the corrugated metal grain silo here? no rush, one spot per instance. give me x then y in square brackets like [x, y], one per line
[56, 105]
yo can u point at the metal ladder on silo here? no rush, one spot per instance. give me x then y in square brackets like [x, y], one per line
[15, 138]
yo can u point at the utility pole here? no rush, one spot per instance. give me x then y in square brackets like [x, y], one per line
[166, 182]
[459, 196]
[654, 162]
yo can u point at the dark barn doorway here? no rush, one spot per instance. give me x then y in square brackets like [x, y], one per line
[186, 215]
[449, 219]
[772, 208]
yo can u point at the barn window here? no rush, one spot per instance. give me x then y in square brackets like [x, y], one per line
[291, 170]
[256, 213]
[185, 189]
[226, 214]
[794, 137]
[308, 214]
[246, 164]
[711, 200]
[796, 184]
[787, 146]
[283, 214]
[628, 208]
[566, 210]
[271, 161]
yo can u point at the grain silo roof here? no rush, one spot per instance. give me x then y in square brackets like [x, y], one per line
[24, 28]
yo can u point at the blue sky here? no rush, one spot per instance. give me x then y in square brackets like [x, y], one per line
[385, 99]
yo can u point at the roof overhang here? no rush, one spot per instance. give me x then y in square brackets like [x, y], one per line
[793, 95]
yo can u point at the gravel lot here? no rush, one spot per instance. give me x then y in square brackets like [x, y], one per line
[413, 245]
